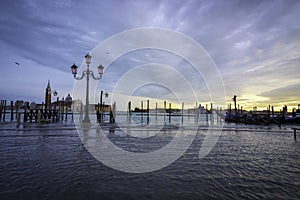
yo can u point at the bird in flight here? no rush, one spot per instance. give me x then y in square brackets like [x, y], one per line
[17, 63]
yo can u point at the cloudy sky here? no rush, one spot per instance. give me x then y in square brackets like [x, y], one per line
[255, 46]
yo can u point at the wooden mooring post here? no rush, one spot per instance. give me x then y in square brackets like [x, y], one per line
[156, 112]
[295, 133]
[165, 110]
[1, 108]
[4, 110]
[129, 112]
[182, 107]
[142, 112]
[148, 112]
[170, 107]
[11, 110]
[206, 112]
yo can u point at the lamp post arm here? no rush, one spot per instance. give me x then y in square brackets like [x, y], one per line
[96, 78]
[82, 75]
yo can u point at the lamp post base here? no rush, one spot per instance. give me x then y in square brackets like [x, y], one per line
[86, 124]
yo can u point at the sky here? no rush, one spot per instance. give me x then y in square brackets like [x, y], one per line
[255, 46]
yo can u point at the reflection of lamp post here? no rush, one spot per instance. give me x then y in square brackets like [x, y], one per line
[87, 73]
[101, 103]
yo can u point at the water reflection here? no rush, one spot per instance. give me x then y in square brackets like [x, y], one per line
[248, 162]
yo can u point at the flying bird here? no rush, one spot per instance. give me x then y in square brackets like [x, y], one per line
[17, 63]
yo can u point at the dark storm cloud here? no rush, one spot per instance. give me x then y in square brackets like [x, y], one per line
[252, 42]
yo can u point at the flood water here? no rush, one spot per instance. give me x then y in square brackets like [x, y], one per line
[247, 162]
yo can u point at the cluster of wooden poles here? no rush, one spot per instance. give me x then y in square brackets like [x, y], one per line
[23, 113]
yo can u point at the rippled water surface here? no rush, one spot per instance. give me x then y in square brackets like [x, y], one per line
[248, 162]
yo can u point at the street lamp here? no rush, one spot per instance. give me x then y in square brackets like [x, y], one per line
[87, 73]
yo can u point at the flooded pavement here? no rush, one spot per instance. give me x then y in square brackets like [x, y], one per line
[51, 162]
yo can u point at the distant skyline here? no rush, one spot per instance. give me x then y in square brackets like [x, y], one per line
[254, 44]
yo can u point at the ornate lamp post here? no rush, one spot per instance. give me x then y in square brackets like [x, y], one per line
[87, 73]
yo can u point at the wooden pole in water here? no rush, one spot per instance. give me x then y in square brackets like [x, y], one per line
[72, 111]
[182, 106]
[165, 110]
[142, 106]
[196, 112]
[11, 110]
[148, 114]
[235, 109]
[217, 111]
[156, 112]
[66, 117]
[101, 108]
[169, 112]
[220, 114]
[142, 111]
[211, 113]
[17, 108]
[129, 108]
[4, 110]
[206, 108]
[25, 112]
[1, 108]
[129, 112]
[269, 113]
[229, 112]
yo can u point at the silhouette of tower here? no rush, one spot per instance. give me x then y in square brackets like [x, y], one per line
[48, 96]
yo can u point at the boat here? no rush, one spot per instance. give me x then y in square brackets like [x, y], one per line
[295, 118]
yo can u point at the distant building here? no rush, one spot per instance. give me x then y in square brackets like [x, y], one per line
[48, 96]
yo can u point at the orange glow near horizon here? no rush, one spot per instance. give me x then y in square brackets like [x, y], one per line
[248, 102]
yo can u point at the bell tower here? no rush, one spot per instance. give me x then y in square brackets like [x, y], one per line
[48, 96]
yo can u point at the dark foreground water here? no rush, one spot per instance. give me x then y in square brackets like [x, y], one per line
[246, 163]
